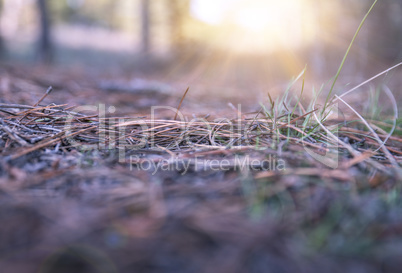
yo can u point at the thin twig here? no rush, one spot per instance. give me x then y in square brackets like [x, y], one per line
[48, 91]
[181, 101]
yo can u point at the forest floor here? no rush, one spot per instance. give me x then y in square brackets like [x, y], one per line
[92, 180]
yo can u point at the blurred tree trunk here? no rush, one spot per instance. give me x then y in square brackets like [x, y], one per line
[386, 34]
[45, 47]
[178, 12]
[145, 27]
[1, 38]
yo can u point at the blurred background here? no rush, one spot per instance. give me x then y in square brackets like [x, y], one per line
[227, 46]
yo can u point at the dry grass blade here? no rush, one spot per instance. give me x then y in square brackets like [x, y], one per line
[351, 150]
[40, 127]
[298, 118]
[382, 144]
[181, 101]
[48, 91]
[363, 157]
[56, 138]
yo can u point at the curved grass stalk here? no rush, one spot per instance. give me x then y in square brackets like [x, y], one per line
[367, 81]
[352, 151]
[346, 55]
[377, 138]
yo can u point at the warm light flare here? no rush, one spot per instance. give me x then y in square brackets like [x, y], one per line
[262, 24]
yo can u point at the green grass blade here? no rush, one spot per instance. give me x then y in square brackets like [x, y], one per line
[346, 55]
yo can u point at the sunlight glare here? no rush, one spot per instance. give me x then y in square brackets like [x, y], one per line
[260, 15]
[253, 19]
[210, 11]
[264, 24]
